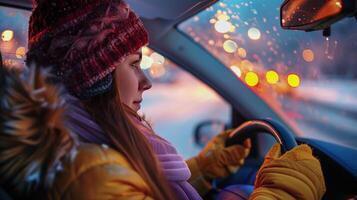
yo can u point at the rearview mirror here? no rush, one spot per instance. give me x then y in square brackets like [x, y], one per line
[310, 15]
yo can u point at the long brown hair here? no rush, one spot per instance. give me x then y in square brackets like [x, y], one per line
[108, 111]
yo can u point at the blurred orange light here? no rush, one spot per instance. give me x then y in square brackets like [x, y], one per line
[157, 58]
[7, 35]
[211, 42]
[246, 65]
[223, 17]
[145, 50]
[157, 71]
[252, 79]
[20, 52]
[294, 80]
[272, 77]
[236, 71]
[242, 52]
[308, 55]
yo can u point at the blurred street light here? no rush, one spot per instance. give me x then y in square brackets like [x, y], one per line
[252, 79]
[293, 80]
[254, 34]
[7, 35]
[236, 71]
[272, 77]
[146, 62]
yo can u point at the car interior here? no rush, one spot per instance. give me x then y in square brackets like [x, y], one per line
[260, 123]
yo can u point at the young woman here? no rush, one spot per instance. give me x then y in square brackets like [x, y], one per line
[93, 48]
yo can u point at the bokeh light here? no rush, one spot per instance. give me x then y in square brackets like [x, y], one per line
[252, 79]
[223, 17]
[242, 52]
[236, 71]
[7, 35]
[308, 55]
[145, 50]
[246, 65]
[212, 21]
[222, 26]
[272, 77]
[157, 58]
[20, 52]
[226, 36]
[146, 62]
[157, 71]
[230, 46]
[232, 29]
[254, 34]
[293, 80]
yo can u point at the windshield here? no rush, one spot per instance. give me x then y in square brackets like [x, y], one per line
[308, 79]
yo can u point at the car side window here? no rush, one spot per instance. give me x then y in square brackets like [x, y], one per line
[13, 30]
[178, 102]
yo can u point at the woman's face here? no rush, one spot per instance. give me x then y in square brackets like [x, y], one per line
[131, 81]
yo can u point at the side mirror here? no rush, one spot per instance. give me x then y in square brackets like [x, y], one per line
[206, 130]
[310, 15]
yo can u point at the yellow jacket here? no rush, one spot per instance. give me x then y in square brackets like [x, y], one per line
[98, 172]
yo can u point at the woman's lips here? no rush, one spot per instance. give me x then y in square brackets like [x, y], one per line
[138, 102]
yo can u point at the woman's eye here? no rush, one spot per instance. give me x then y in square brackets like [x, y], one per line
[136, 66]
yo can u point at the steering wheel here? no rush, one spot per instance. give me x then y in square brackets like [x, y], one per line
[251, 128]
[269, 126]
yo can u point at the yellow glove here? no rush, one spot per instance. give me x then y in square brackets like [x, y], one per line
[216, 161]
[294, 175]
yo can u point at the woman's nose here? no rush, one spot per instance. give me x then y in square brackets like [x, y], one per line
[145, 82]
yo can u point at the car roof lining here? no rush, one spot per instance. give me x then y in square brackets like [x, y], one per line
[148, 9]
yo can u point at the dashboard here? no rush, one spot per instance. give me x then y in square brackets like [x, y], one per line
[339, 165]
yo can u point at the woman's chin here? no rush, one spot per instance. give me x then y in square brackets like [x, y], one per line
[136, 106]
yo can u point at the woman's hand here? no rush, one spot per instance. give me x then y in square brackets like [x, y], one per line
[216, 161]
[295, 175]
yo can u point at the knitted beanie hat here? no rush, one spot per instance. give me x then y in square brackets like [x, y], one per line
[83, 41]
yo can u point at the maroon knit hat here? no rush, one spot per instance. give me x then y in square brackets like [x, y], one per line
[83, 41]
